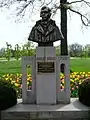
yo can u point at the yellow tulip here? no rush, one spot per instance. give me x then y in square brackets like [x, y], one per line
[12, 81]
[27, 83]
[6, 78]
[16, 84]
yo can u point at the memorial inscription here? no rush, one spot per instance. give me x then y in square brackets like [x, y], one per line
[45, 67]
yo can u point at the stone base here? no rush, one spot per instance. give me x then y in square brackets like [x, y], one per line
[73, 111]
[46, 76]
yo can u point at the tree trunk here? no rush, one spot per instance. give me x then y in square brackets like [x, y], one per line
[64, 46]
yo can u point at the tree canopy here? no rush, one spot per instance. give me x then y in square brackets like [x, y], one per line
[24, 7]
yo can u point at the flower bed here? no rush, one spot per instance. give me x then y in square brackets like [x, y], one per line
[76, 78]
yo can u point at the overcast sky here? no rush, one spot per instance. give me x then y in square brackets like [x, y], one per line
[17, 33]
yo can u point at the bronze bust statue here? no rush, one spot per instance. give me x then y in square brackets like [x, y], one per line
[45, 31]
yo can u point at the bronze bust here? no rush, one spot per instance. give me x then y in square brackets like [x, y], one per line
[45, 31]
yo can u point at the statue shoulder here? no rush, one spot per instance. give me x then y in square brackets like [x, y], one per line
[38, 22]
[52, 22]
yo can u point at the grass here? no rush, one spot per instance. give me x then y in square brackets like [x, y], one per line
[80, 65]
[2, 58]
[76, 65]
[10, 67]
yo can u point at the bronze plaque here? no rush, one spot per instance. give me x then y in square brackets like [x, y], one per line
[45, 67]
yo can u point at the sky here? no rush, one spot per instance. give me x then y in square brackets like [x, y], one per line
[17, 33]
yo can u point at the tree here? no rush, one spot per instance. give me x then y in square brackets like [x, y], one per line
[2, 52]
[75, 50]
[58, 49]
[64, 7]
[8, 51]
[17, 52]
[28, 49]
[87, 49]
[23, 6]
[64, 46]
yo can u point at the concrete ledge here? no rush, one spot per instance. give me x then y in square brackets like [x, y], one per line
[73, 111]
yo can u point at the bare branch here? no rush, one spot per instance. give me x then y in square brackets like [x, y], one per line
[75, 1]
[21, 0]
[49, 2]
[87, 3]
[24, 7]
[42, 3]
[55, 5]
[82, 16]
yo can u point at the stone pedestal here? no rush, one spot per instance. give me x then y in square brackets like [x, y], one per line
[45, 75]
[46, 69]
[74, 111]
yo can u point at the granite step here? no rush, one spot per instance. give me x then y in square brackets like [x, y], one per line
[73, 111]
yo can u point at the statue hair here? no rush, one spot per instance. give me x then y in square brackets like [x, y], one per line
[49, 10]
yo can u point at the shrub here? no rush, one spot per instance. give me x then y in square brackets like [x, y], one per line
[8, 96]
[84, 92]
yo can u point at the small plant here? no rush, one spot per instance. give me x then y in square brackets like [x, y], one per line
[8, 51]
[8, 96]
[17, 53]
[84, 92]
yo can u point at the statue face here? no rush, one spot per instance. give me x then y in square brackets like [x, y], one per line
[45, 14]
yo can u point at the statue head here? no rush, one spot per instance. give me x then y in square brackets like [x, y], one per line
[45, 13]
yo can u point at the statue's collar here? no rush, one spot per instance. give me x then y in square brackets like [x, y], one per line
[40, 28]
[45, 22]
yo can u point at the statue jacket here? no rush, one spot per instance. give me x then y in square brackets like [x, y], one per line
[45, 34]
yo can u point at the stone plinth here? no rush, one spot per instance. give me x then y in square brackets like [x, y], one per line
[46, 69]
[73, 111]
[45, 75]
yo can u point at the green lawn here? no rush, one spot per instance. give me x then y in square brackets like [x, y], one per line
[80, 65]
[10, 67]
[77, 65]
